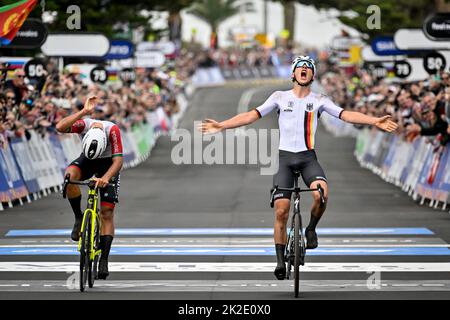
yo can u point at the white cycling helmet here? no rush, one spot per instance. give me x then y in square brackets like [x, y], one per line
[94, 143]
[306, 59]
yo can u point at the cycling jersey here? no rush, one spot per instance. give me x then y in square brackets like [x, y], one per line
[112, 131]
[297, 117]
[98, 167]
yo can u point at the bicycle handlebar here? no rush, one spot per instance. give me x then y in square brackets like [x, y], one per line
[319, 188]
[90, 183]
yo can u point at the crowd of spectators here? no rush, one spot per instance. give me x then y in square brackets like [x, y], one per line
[420, 108]
[246, 56]
[28, 104]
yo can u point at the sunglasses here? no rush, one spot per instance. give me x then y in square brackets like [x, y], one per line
[304, 63]
[10, 98]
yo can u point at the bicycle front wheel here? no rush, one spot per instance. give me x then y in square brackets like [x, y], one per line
[297, 253]
[85, 264]
[95, 246]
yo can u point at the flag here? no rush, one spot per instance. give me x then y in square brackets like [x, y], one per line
[12, 17]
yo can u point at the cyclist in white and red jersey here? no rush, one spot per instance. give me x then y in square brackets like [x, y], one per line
[101, 157]
[298, 112]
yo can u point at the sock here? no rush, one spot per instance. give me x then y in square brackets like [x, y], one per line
[279, 249]
[105, 246]
[313, 223]
[75, 203]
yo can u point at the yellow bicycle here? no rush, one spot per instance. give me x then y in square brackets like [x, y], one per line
[89, 242]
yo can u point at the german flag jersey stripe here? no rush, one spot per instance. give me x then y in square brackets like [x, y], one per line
[309, 129]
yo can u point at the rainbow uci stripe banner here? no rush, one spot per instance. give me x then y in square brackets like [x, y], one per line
[12, 17]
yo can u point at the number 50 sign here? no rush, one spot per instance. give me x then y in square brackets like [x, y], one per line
[434, 62]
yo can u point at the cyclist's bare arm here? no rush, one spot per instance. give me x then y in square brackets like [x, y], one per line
[65, 124]
[242, 119]
[117, 163]
[384, 123]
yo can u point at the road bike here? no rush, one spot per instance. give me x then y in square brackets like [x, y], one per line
[89, 243]
[296, 245]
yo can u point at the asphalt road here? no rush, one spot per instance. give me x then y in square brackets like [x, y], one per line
[199, 231]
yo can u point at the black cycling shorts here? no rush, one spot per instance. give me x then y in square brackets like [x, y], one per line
[305, 162]
[98, 167]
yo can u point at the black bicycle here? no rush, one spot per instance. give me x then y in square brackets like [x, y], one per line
[296, 244]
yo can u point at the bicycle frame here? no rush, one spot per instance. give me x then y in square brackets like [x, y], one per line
[92, 207]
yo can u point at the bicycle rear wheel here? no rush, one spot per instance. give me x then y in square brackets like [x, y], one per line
[297, 253]
[85, 264]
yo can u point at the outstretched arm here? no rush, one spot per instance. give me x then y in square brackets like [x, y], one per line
[383, 123]
[242, 119]
[66, 123]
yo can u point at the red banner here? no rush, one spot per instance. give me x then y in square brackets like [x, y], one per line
[12, 17]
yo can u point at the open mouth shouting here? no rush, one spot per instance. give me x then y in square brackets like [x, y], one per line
[304, 74]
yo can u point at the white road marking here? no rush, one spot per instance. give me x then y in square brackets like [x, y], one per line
[231, 241]
[177, 286]
[364, 267]
[232, 246]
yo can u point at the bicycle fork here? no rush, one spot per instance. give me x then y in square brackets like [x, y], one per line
[290, 250]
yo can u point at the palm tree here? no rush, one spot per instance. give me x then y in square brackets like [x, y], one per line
[214, 12]
[289, 18]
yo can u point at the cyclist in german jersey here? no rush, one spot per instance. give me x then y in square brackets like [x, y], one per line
[298, 112]
[102, 159]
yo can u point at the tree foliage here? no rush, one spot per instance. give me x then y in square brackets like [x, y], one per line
[214, 12]
[104, 15]
[395, 14]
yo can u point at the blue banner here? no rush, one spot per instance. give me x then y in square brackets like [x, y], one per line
[442, 182]
[59, 152]
[12, 174]
[423, 188]
[5, 195]
[24, 163]
[390, 154]
[407, 169]
[120, 49]
[385, 46]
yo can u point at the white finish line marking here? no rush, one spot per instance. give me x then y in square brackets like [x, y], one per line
[33, 266]
[73, 245]
[177, 286]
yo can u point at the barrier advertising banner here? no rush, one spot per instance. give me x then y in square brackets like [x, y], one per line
[25, 164]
